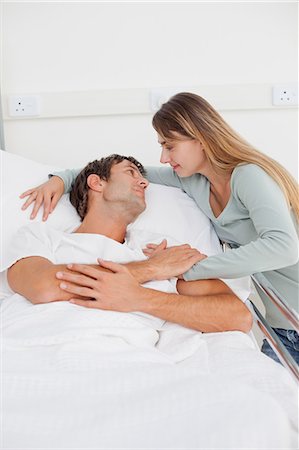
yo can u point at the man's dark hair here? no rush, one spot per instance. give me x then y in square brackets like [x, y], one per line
[102, 168]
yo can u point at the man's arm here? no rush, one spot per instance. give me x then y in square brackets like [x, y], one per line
[215, 307]
[35, 278]
[207, 305]
[206, 313]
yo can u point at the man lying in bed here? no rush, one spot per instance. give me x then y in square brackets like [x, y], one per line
[109, 195]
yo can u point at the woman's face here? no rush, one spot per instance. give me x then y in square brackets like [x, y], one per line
[185, 155]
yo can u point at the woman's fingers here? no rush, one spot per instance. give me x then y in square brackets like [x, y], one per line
[162, 245]
[38, 202]
[152, 246]
[55, 199]
[29, 200]
[47, 207]
[38, 198]
[47, 193]
[147, 252]
[151, 249]
[174, 261]
[26, 193]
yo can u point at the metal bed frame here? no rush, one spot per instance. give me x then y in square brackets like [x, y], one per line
[280, 350]
[261, 282]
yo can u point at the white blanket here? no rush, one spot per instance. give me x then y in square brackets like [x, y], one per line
[102, 391]
[81, 378]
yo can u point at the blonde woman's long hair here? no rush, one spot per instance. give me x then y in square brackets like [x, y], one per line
[192, 116]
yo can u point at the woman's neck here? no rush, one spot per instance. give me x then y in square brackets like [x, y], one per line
[219, 181]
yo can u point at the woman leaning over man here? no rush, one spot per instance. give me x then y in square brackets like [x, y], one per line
[251, 200]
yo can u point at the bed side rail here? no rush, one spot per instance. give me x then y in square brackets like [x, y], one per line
[290, 314]
[280, 350]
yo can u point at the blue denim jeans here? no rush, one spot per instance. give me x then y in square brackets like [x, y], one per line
[289, 338]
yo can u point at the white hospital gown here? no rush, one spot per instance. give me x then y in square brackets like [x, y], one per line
[59, 247]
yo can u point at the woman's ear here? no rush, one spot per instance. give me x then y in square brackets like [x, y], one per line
[95, 183]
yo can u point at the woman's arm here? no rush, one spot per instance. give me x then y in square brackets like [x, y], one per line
[68, 177]
[163, 175]
[49, 193]
[157, 175]
[202, 287]
[277, 243]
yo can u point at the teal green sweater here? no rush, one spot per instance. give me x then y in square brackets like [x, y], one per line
[256, 222]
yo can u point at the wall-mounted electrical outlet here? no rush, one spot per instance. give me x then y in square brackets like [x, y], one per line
[285, 94]
[24, 105]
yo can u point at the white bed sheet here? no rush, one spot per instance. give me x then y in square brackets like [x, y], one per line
[102, 390]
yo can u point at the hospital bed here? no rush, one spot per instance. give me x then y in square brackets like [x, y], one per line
[76, 389]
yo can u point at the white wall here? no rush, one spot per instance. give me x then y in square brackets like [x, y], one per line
[69, 47]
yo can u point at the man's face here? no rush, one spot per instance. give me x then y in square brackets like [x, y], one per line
[126, 186]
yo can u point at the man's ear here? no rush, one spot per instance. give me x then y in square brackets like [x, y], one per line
[95, 183]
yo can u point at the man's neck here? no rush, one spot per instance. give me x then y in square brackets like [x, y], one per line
[113, 227]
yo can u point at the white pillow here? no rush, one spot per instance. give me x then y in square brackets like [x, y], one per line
[170, 212]
[18, 175]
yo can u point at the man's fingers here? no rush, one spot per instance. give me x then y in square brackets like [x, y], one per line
[201, 256]
[85, 303]
[114, 267]
[81, 280]
[185, 246]
[77, 290]
[192, 253]
[85, 270]
[196, 258]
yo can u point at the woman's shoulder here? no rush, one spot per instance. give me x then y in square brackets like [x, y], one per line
[252, 181]
[248, 168]
[249, 174]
